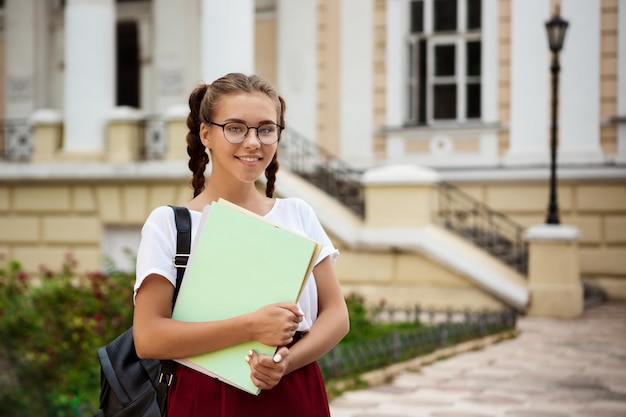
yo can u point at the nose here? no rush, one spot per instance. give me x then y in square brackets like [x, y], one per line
[255, 137]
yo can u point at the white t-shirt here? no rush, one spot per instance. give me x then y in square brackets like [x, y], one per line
[158, 245]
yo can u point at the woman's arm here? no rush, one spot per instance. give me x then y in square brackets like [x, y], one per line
[332, 322]
[158, 336]
[331, 326]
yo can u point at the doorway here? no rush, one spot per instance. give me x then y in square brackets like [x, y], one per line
[127, 47]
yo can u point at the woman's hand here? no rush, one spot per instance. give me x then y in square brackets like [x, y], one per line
[276, 324]
[267, 371]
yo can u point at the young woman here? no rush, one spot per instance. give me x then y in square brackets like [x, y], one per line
[237, 121]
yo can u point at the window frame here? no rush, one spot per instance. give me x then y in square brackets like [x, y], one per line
[459, 39]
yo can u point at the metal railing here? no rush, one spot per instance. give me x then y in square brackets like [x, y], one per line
[459, 212]
[352, 358]
[486, 228]
[16, 140]
[318, 166]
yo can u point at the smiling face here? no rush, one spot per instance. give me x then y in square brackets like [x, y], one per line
[244, 162]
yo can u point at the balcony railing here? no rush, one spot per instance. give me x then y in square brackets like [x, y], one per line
[16, 140]
[155, 137]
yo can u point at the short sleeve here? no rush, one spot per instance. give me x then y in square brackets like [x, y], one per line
[157, 247]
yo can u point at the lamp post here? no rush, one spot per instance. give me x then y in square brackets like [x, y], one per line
[556, 28]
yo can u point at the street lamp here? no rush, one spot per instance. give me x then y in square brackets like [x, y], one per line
[556, 28]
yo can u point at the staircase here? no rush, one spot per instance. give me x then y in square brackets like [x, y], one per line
[458, 212]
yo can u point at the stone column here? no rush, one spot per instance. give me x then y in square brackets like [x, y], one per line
[124, 136]
[176, 133]
[297, 63]
[579, 101]
[554, 271]
[530, 66]
[400, 196]
[47, 135]
[227, 37]
[89, 75]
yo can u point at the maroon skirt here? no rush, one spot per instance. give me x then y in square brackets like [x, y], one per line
[300, 393]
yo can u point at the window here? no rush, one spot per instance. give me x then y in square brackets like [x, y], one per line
[444, 61]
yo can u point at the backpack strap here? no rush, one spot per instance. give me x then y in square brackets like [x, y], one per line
[183, 248]
[183, 245]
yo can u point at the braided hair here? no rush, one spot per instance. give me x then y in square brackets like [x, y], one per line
[203, 102]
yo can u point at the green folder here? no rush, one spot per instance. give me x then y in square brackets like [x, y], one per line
[239, 263]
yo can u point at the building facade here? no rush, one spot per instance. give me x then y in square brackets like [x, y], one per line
[461, 87]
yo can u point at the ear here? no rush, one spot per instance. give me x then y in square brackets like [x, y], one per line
[204, 135]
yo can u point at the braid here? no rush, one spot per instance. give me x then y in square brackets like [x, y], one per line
[272, 168]
[270, 174]
[198, 157]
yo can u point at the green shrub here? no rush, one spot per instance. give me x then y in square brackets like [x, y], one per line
[363, 325]
[50, 333]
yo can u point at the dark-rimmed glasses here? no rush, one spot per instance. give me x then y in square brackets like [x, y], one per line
[236, 132]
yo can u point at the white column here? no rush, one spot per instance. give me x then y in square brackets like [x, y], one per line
[579, 98]
[357, 80]
[621, 87]
[89, 73]
[25, 29]
[530, 87]
[177, 62]
[297, 63]
[227, 37]
[396, 25]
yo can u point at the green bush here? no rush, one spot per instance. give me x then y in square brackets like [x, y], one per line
[50, 332]
[364, 326]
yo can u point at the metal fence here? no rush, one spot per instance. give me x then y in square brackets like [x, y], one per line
[348, 359]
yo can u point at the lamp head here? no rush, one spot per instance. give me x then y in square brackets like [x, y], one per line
[556, 28]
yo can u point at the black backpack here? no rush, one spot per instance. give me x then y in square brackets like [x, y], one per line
[135, 387]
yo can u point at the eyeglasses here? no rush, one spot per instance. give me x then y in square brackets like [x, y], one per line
[236, 132]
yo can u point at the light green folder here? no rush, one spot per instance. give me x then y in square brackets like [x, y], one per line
[240, 263]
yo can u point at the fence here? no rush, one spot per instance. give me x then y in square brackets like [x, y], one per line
[445, 329]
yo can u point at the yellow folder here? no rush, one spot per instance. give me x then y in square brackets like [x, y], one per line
[239, 263]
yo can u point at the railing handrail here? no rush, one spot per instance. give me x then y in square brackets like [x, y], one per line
[320, 167]
[455, 206]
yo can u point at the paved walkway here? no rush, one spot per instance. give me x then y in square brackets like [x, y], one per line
[553, 368]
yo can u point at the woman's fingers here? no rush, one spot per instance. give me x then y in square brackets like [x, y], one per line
[267, 371]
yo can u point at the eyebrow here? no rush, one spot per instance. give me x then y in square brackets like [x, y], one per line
[235, 120]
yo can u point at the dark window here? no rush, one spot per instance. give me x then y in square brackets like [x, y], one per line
[445, 101]
[473, 58]
[473, 14]
[445, 60]
[127, 64]
[417, 16]
[445, 15]
[472, 100]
